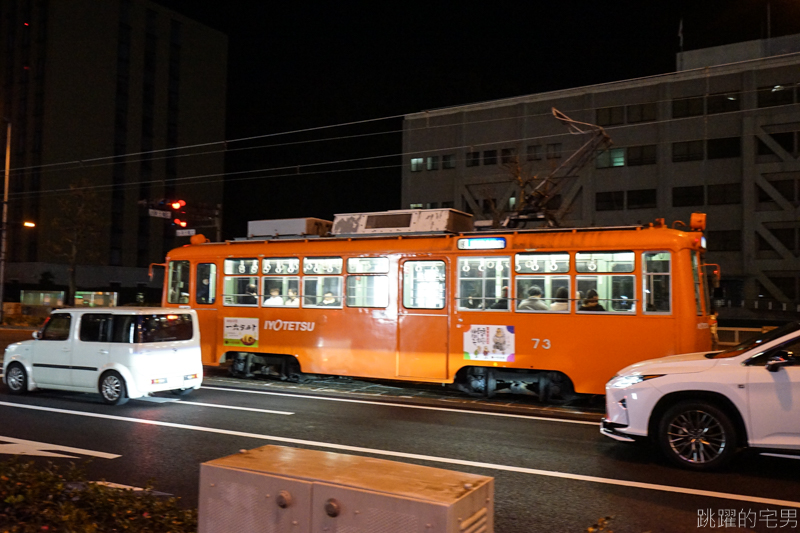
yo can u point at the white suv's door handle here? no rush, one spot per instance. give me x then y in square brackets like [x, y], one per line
[104, 352]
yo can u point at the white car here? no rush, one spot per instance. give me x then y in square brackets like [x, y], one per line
[702, 407]
[120, 352]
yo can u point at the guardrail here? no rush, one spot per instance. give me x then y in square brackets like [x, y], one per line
[734, 336]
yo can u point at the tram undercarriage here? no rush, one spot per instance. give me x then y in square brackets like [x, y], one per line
[547, 386]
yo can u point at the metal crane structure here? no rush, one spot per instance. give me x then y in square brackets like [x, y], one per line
[537, 191]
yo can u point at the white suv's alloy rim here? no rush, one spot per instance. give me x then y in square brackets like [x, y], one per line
[111, 388]
[697, 437]
[15, 378]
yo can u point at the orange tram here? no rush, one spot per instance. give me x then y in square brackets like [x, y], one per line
[417, 295]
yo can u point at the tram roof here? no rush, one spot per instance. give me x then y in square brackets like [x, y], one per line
[620, 237]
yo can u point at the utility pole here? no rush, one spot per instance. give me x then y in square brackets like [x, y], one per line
[4, 230]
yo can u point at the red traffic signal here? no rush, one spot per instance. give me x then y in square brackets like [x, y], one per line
[179, 222]
[177, 204]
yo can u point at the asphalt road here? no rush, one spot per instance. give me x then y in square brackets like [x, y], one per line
[551, 474]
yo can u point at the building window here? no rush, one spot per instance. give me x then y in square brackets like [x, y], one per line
[508, 156]
[490, 157]
[534, 152]
[641, 112]
[433, 162]
[448, 161]
[473, 159]
[642, 199]
[448, 205]
[554, 151]
[432, 205]
[775, 95]
[416, 164]
[610, 201]
[687, 107]
[688, 196]
[610, 116]
[724, 241]
[723, 103]
[724, 148]
[725, 193]
[687, 151]
[415, 206]
[613, 157]
[642, 155]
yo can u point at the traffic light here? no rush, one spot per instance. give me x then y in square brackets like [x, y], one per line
[177, 204]
[179, 222]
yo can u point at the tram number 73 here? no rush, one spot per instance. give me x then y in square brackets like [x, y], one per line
[544, 342]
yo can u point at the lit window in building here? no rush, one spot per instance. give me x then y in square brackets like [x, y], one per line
[433, 162]
[614, 157]
[416, 164]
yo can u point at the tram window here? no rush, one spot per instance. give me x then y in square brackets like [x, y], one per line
[322, 291]
[322, 265]
[656, 280]
[367, 291]
[611, 294]
[604, 261]
[541, 263]
[423, 285]
[206, 289]
[483, 283]
[372, 265]
[241, 290]
[280, 265]
[240, 266]
[178, 282]
[548, 294]
[281, 291]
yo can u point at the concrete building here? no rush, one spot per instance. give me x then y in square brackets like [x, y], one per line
[719, 135]
[98, 92]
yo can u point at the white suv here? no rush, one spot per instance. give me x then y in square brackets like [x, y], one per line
[120, 352]
[701, 407]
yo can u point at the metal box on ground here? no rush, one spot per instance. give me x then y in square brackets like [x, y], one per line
[277, 489]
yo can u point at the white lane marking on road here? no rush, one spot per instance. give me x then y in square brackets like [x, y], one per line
[31, 447]
[254, 409]
[430, 458]
[390, 404]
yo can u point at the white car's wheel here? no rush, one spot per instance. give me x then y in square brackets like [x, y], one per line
[16, 379]
[697, 435]
[112, 388]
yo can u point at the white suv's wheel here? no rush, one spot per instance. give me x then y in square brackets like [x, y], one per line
[697, 435]
[112, 388]
[16, 379]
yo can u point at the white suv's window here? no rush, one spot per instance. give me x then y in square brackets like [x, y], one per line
[57, 327]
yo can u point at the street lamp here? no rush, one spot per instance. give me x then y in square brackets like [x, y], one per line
[4, 229]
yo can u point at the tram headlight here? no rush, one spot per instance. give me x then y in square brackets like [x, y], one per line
[623, 382]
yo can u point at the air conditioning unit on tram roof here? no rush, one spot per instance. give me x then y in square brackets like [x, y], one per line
[288, 228]
[402, 221]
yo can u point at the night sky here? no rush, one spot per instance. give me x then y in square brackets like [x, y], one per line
[300, 65]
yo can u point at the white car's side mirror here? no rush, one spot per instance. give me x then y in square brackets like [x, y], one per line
[37, 335]
[780, 359]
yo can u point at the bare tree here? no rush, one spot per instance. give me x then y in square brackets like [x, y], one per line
[78, 227]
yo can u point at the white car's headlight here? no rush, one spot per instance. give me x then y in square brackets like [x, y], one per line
[623, 382]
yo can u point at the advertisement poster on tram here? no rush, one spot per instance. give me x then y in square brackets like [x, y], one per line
[241, 332]
[489, 343]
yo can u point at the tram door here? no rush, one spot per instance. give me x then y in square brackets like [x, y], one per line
[422, 323]
[206, 304]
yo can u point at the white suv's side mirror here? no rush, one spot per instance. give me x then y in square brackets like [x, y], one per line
[37, 335]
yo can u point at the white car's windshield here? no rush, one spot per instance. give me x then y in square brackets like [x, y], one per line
[749, 344]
